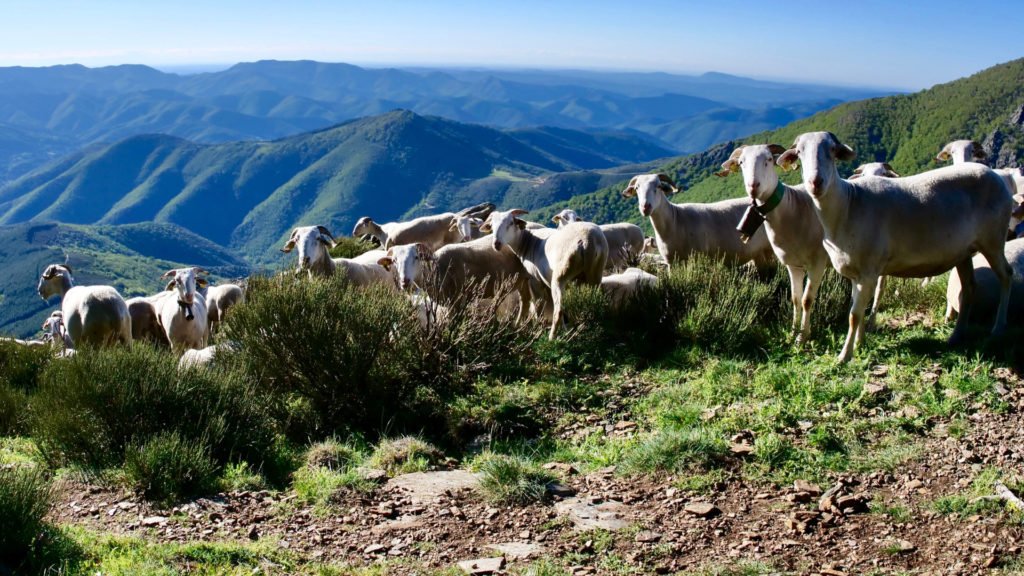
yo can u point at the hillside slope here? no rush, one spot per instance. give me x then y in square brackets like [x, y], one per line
[131, 258]
[248, 195]
[906, 130]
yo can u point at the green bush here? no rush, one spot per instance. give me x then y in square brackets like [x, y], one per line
[331, 454]
[19, 371]
[25, 497]
[168, 467]
[91, 407]
[513, 480]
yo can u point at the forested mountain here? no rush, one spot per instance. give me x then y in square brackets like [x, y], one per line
[48, 112]
[905, 130]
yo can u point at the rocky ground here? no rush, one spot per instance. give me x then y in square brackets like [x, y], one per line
[604, 523]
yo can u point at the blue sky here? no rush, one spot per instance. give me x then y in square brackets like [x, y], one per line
[910, 45]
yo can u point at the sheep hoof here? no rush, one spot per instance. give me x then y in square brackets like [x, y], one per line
[956, 338]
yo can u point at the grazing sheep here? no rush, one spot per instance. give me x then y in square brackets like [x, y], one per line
[986, 287]
[313, 243]
[578, 252]
[220, 299]
[882, 169]
[181, 309]
[620, 287]
[94, 315]
[145, 321]
[207, 356]
[684, 229]
[434, 231]
[792, 226]
[458, 269]
[908, 227]
[625, 241]
[961, 151]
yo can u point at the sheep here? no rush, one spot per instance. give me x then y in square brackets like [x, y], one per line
[792, 225]
[145, 322]
[625, 241]
[207, 356]
[681, 230]
[313, 243]
[220, 299]
[94, 315]
[622, 286]
[181, 309]
[57, 334]
[961, 151]
[434, 231]
[882, 169]
[577, 252]
[986, 292]
[460, 268]
[908, 227]
[468, 227]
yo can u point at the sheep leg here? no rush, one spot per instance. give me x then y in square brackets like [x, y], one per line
[1004, 272]
[557, 286]
[814, 277]
[796, 290]
[855, 334]
[965, 270]
[876, 304]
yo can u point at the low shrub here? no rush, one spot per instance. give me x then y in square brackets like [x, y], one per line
[91, 407]
[670, 450]
[168, 467]
[403, 455]
[26, 495]
[513, 480]
[331, 454]
[20, 367]
[349, 247]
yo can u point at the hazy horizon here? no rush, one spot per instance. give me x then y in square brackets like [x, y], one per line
[872, 43]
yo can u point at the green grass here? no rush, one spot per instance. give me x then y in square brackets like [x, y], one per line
[514, 480]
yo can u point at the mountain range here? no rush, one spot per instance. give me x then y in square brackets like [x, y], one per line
[51, 111]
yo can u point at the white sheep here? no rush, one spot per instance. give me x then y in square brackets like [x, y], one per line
[961, 151]
[94, 315]
[145, 322]
[468, 227]
[625, 241]
[792, 225]
[882, 169]
[681, 230]
[619, 288]
[908, 227]
[460, 270]
[577, 252]
[56, 333]
[219, 300]
[313, 243]
[181, 309]
[434, 231]
[986, 291]
[207, 356]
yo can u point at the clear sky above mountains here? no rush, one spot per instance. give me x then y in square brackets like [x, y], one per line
[910, 45]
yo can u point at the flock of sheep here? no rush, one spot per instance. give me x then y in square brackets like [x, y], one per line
[873, 225]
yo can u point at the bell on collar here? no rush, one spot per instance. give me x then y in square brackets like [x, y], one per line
[751, 221]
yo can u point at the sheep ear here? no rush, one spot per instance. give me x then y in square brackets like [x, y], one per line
[943, 155]
[978, 150]
[854, 176]
[630, 190]
[475, 222]
[556, 218]
[518, 212]
[168, 274]
[199, 270]
[789, 160]
[386, 262]
[325, 232]
[667, 185]
[732, 164]
[889, 171]
[486, 226]
[170, 286]
[202, 282]
[842, 152]
[776, 150]
[520, 223]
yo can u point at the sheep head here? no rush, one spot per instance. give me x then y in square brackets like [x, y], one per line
[650, 191]
[961, 151]
[817, 153]
[406, 262]
[55, 279]
[566, 216]
[185, 281]
[505, 226]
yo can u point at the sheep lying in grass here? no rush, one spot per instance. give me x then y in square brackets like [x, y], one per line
[313, 243]
[94, 315]
[577, 252]
[908, 227]
[619, 288]
[181, 309]
[684, 229]
[986, 291]
[625, 241]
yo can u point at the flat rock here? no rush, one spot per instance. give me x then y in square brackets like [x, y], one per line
[428, 486]
[702, 509]
[587, 516]
[648, 537]
[805, 486]
[560, 490]
[482, 565]
[517, 550]
[153, 521]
